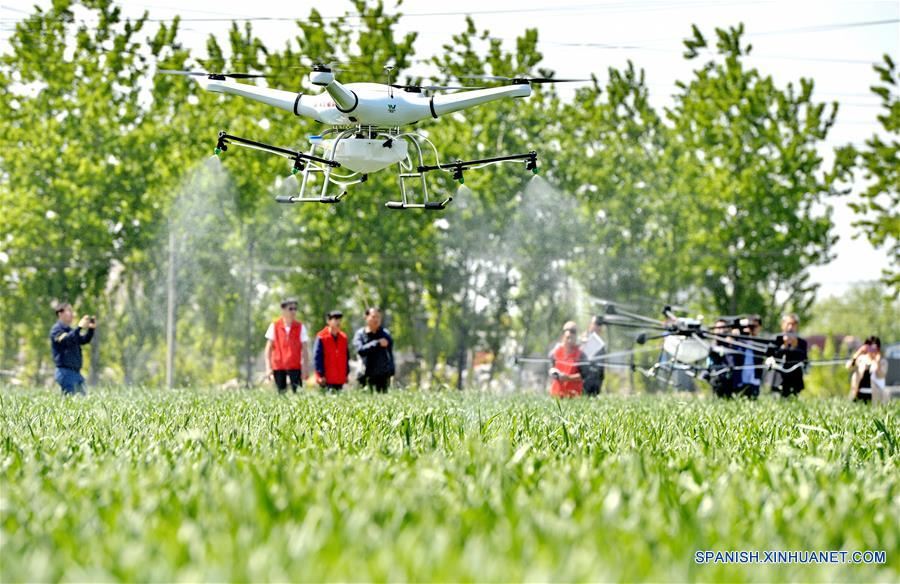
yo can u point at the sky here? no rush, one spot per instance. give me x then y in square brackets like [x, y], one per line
[832, 42]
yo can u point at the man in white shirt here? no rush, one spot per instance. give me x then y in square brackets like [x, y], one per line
[287, 357]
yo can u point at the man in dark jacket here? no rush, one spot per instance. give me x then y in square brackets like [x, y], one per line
[374, 345]
[789, 352]
[65, 345]
[721, 362]
[594, 348]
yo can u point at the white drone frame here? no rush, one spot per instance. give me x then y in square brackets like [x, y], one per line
[364, 112]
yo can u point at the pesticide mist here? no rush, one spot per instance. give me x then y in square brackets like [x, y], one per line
[191, 284]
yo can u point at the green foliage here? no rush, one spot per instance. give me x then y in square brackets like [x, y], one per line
[65, 156]
[863, 310]
[712, 202]
[102, 179]
[194, 485]
[750, 175]
[878, 207]
[828, 380]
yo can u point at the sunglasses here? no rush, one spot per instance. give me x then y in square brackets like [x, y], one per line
[571, 330]
[292, 308]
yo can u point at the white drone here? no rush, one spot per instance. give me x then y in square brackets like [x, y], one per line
[365, 134]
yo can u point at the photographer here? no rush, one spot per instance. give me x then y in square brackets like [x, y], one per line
[747, 379]
[65, 345]
[789, 352]
[746, 360]
[720, 365]
[569, 369]
[869, 370]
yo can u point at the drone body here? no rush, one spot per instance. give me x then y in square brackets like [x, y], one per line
[366, 131]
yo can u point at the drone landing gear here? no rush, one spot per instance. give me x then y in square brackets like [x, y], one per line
[290, 199]
[305, 164]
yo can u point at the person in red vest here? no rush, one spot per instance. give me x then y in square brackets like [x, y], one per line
[330, 355]
[569, 364]
[286, 354]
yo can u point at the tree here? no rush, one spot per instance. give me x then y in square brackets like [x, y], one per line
[625, 188]
[64, 158]
[497, 250]
[751, 179]
[878, 206]
[863, 310]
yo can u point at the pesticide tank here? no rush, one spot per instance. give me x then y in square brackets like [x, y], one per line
[685, 349]
[362, 154]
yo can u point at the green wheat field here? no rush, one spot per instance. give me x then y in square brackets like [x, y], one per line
[206, 485]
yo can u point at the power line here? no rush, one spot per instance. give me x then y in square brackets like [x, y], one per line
[826, 27]
[679, 52]
[575, 8]
[595, 45]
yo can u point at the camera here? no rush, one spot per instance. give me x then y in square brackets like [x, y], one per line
[92, 319]
[744, 324]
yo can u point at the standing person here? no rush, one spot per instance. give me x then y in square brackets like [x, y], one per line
[569, 366]
[747, 377]
[594, 350]
[65, 345]
[721, 361]
[374, 345]
[330, 355]
[869, 370]
[286, 356]
[789, 352]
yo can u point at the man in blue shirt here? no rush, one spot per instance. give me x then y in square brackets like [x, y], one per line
[65, 344]
[748, 377]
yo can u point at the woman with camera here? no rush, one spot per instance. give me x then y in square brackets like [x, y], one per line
[869, 370]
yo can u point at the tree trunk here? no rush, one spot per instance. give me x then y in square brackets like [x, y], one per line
[170, 312]
[248, 343]
[436, 335]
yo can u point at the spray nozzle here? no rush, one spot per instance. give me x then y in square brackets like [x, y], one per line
[458, 174]
[221, 145]
[298, 166]
[532, 163]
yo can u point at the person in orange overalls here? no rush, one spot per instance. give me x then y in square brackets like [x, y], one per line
[569, 364]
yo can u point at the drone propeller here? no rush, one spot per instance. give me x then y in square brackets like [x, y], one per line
[529, 80]
[609, 306]
[207, 74]
[332, 64]
[417, 88]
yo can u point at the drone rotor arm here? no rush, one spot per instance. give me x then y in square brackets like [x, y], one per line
[453, 102]
[286, 100]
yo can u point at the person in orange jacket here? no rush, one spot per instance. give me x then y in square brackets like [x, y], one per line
[569, 364]
[331, 355]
